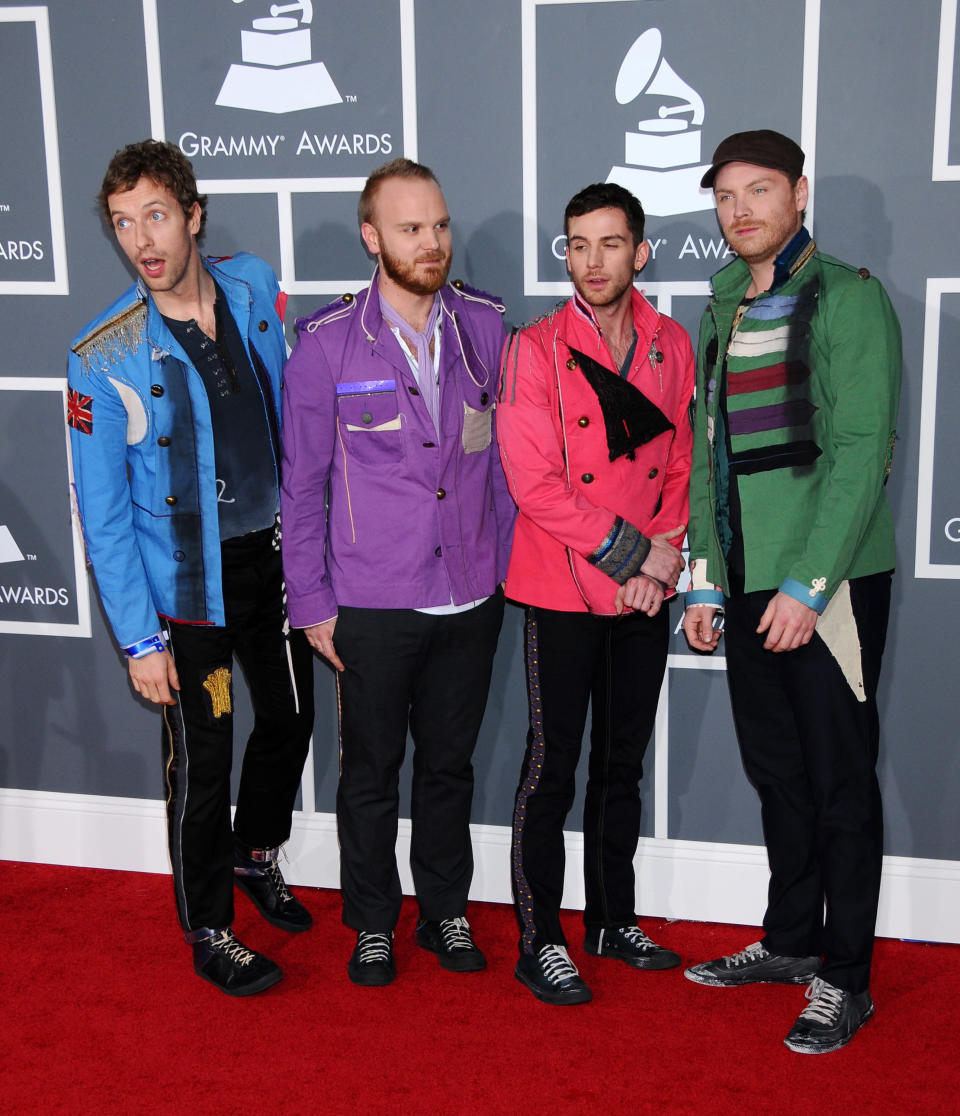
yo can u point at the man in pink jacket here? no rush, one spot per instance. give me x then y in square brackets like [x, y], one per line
[595, 438]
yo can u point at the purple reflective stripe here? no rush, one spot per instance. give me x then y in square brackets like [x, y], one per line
[364, 387]
[778, 416]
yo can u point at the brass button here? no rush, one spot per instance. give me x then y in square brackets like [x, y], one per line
[347, 298]
[367, 417]
[484, 399]
[653, 472]
[571, 364]
[441, 493]
[587, 478]
[164, 441]
[156, 390]
[864, 273]
[171, 500]
[458, 283]
[583, 421]
[262, 327]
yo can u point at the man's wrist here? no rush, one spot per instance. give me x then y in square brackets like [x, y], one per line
[146, 646]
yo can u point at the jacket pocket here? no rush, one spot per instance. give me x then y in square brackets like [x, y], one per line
[477, 428]
[370, 421]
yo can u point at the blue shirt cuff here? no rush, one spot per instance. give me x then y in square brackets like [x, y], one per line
[711, 597]
[804, 594]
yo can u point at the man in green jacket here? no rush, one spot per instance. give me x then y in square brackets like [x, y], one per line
[791, 542]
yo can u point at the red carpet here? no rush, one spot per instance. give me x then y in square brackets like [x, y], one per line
[103, 1013]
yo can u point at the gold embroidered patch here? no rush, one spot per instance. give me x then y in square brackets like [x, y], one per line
[114, 339]
[217, 686]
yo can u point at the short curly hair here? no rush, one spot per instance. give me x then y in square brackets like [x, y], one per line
[161, 162]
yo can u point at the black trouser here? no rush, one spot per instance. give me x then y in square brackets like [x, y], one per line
[810, 749]
[433, 674]
[617, 663]
[198, 737]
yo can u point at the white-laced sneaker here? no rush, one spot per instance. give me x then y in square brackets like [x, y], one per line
[754, 965]
[830, 1020]
[552, 977]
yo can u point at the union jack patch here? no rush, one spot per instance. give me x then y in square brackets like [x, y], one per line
[80, 411]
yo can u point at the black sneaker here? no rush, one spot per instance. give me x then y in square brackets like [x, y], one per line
[372, 961]
[263, 881]
[552, 977]
[830, 1020]
[754, 965]
[452, 941]
[224, 961]
[629, 944]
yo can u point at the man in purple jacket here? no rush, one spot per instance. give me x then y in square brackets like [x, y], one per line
[397, 525]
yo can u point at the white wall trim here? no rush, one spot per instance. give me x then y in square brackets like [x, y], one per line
[675, 879]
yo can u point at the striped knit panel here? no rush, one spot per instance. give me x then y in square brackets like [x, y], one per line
[769, 403]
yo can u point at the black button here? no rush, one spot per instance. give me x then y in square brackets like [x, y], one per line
[429, 445]
[864, 273]
[658, 356]
[571, 364]
[583, 421]
[484, 399]
[587, 478]
[438, 551]
[178, 556]
[367, 417]
[262, 327]
[156, 390]
[653, 472]
[164, 441]
[171, 500]
[348, 298]
[412, 390]
[441, 493]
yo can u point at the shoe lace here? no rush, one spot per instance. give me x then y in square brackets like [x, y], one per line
[556, 964]
[636, 937]
[455, 933]
[373, 946]
[754, 952]
[275, 876]
[225, 943]
[825, 1003]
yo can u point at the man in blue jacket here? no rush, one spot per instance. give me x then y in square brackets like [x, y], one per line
[174, 415]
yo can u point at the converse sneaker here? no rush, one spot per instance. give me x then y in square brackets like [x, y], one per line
[257, 873]
[372, 961]
[629, 944]
[754, 965]
[830, 1020]
[452, 941]
[225, 962]
[552, 977]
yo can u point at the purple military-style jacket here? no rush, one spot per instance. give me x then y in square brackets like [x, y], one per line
[377, 509]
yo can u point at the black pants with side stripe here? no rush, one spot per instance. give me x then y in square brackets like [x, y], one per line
[809, 746]
[615, 665]
[198, 736]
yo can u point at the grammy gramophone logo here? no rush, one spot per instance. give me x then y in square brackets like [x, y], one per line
[662, 157]
[9, 551]
[277, 73]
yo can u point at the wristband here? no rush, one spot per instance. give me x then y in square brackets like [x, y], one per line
[146, 646]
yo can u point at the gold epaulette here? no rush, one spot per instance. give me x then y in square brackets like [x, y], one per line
[113, 340]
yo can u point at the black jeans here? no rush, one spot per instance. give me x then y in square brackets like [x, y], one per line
[617, 664]
[431, 673]
[198, 736]
[809, 747]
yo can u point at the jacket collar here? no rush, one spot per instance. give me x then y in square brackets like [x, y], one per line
[733, 279]
[235, 290]
[646, 320]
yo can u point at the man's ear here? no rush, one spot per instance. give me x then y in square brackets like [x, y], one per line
[371, 238]
[643, 254]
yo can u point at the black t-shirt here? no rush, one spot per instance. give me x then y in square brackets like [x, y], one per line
[247, 498]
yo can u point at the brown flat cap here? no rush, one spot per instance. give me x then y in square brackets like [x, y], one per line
[763, 147]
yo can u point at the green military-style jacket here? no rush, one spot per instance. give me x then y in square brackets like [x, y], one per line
[812, 389]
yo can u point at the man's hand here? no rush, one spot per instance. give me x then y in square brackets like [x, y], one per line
[154, 676]
[320, 638]
[641, 594]
[665, 563]
[789, 624]
[698, 628]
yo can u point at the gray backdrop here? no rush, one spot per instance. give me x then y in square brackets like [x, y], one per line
[514, 104]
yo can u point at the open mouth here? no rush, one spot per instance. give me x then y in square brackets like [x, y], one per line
[152, 266]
